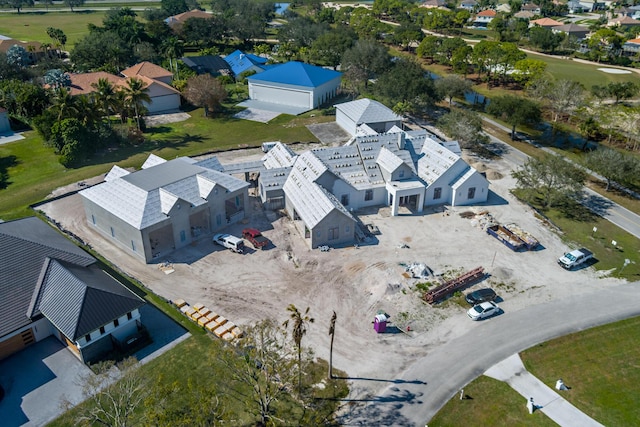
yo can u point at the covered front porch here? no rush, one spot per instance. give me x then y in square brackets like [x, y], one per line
[409, 193]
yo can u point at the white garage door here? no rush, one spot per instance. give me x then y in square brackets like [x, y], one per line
[164, 103]
[277, 95]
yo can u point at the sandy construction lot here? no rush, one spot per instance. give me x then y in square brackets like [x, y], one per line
[358, 282]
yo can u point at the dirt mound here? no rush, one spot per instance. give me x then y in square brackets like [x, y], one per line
[494, 175]
[480, 167]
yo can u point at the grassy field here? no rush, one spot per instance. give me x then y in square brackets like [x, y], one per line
[587, 74]
[33, 26]
[599, 365]
[489, 402]
[29, 171]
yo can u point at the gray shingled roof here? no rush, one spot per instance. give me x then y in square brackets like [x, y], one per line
[367, 111]
[24, 246]
[78, 300]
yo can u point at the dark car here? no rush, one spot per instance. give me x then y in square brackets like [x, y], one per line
[481, 295]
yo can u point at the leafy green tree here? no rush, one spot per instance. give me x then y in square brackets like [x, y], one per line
[551, 180]
[447, 49]
[452, 86]
[205, 91]
[174, 7]
[616, 90]
[105, 96]
[123, 22]
[406, 34]
[365, 60]
[366, 24]
[545, 39]
[407, 82]
[299, 322]
[58, 36]
[173, 48]
[102, 50]
[329, 47]
[249, 20]
[429, 47]
[612, 165]
[73, 3]
[64, 104]
[514, 110]
[23, 99]
[461, 60]
[465, 126]
[17, 4]
[528, 70]
[137, 94]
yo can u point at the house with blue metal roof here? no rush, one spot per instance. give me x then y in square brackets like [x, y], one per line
[241, 62]
[294, 84]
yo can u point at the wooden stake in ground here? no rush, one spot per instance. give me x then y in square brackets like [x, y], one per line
[332, 331]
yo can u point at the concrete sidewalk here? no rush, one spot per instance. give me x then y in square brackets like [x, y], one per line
[512, 371]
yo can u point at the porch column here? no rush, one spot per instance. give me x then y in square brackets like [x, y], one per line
[421, 196]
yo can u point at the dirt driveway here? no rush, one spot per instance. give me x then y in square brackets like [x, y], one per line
[358, 282]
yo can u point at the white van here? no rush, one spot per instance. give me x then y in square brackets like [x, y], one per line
[230, 242]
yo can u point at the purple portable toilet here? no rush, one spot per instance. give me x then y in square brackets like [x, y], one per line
[380, 323]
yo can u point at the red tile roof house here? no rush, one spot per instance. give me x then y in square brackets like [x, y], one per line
[51, 287]
[164, 98]
[483, 18]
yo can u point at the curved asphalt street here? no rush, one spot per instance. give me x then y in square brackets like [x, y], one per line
[427, 384]
[609, 210]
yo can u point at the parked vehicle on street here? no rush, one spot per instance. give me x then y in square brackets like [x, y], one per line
[481, 295]
[255, 237]
[575, 258]
[234, 243]
[483, 310]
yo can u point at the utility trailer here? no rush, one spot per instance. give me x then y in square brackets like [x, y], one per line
[506, 236]
[529, 241]
[441, 292]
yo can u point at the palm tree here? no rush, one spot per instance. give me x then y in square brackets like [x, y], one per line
[136, 95]
[300, 322]
[173, 48]
[64, 103]
[105, 96]
[332, 332]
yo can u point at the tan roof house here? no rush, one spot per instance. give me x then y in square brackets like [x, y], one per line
[149, 69]
[545, 22]
[82, 83]
[176, 21]
[624, 21]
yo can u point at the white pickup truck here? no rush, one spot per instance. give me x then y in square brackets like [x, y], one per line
[234, 243]
[575, 258]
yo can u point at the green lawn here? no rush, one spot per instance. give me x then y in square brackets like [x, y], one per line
[29, 171]
[489, 402]
[600, 366]
[587, 74]
[33, 26]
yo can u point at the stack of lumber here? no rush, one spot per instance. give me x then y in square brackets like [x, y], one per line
[210, 320]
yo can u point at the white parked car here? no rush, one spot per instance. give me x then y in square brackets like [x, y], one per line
[484, 310]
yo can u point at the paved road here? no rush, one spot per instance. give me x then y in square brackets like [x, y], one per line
[427, 384]
[618, 215]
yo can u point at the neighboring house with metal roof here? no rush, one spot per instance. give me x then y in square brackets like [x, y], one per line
[241, 62]
[295, 84]
[49, 286]
[166, 205]
[353, 114]
[212, 64]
